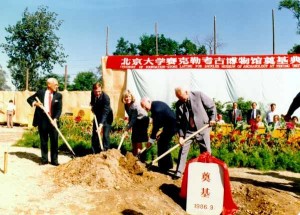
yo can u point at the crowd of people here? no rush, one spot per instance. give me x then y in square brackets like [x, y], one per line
[255, 116]
[195, 114]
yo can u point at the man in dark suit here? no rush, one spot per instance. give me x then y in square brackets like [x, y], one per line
[100, 103]
[235, 114]
[162, 118]
[293, 106]
[51, 100]
[253, 112]
[193, 111]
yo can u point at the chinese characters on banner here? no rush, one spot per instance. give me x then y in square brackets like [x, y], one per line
[205, 189]
[204, 62]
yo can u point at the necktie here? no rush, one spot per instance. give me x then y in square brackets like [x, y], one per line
[234, 117]
[50, 102]
[191, 114]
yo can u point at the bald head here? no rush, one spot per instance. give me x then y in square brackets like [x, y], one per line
[146, 103]
[52, 84]
[182, 93]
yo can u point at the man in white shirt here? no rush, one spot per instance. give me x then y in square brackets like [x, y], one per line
[270, 114]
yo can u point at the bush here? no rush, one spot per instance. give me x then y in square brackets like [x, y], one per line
[242, 147]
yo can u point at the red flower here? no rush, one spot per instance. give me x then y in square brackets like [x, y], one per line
[78, 119]
[239, 118]
[253, 125]
[290, 126]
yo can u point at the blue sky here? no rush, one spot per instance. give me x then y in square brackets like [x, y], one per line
[243, 26]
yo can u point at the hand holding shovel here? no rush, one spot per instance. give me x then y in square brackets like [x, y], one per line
[124, 135]
[53, 122]
[98, 129]
[179, 144]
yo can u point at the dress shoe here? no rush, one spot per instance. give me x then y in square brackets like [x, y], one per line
[175, 177]
[54, 163]
[43, 163]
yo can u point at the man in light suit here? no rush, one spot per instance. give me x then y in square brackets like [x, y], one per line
[253, 112]
[51, 100]
[235, 114]
[194, 110]
[162, 118]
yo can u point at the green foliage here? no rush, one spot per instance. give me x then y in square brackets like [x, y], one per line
[32, 44]
[30, 139]
[242, 147]
[118, 125]
[294, 7]
[224, 108]
[83, 81]
[41, 82]
[166, 46]
[125, 48]
[187, 47]
[3, 85]
[248, 148]
[295, 49]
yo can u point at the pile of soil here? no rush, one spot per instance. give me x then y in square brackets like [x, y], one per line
[108, 169]
[127, 185]
[111, 183]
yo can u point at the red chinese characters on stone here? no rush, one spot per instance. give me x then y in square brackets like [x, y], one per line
[205, 178]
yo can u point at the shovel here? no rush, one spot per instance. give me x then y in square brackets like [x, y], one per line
[51, 120]
[98, 132]
[177, 145]
[122, 140]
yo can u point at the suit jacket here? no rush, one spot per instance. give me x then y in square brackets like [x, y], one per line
[101, 108]
[294, 105]
[56, 106]
[238, 113]
[204, 110]
[163, 117]
[249, 113]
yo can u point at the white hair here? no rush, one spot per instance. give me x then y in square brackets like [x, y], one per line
[145, 99]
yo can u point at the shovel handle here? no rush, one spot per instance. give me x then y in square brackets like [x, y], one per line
[98, 132]
[122, 140]
[59, 132]
[177, 145]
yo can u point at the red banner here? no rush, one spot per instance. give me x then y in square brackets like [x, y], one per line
[204, 62]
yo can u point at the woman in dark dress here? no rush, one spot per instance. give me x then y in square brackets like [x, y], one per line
[138, 121]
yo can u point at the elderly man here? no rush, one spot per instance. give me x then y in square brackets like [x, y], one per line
[235, 114]
[162, 118]
[51, 100]
[193, 111]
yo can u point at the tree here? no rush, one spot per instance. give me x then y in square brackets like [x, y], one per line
[125, 48]
[32, 44]
[84, 80]
[209, 43]
[294, 7]
[41, 82]
[166, 46]
[188, 47]
[294, 50]
[3, 85]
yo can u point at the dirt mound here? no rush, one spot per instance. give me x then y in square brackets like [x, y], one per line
[140, 191]
[105, 170]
